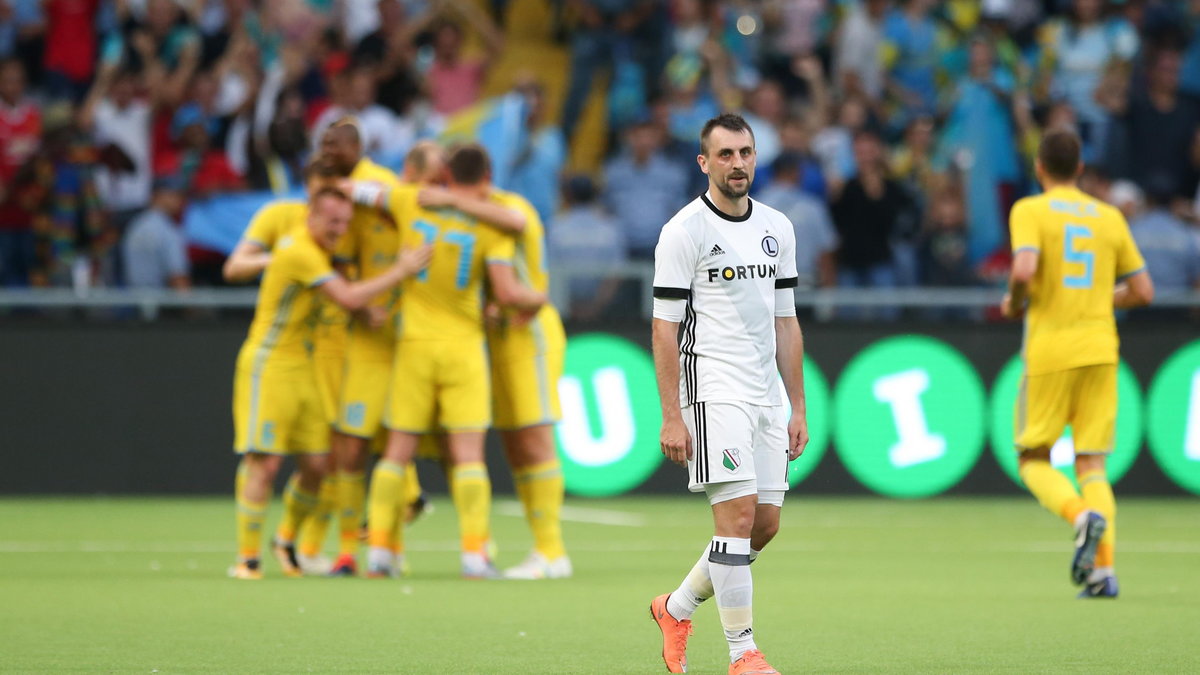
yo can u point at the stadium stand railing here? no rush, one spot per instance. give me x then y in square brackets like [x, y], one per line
[824, 302]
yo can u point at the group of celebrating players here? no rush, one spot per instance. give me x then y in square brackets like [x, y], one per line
[405, 315]
[446, 332]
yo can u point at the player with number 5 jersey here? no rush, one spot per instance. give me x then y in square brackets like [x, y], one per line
[1074, 260]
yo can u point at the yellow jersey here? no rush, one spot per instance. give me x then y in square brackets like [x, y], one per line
[529, 259]
[445, 300]
[1084, 248]
[372, 240]
[267, 227]
[286, 313]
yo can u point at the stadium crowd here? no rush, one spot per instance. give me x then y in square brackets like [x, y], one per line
[895, 134]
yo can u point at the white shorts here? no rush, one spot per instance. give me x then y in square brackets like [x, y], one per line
[733, 442]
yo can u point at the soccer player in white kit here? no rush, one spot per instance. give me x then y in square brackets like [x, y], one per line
[725, 267]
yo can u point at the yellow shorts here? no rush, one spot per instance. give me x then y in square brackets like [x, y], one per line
[364, 397]
[277, 410]
[1085, 398]
[439, 385]
[527, 363]
[330, 369]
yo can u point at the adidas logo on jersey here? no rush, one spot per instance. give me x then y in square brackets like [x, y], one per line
[716, 251]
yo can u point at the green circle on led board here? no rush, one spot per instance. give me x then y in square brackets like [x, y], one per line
[816, 405]
[1174, 417]
[908, 416]
[608, 438]
[1127, 441]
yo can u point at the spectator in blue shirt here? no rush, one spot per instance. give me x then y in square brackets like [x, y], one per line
[1166, 241]
[154, 250]
[585, 235]
[911, 51]
[539, 163]
[816, 239]
[644, 188]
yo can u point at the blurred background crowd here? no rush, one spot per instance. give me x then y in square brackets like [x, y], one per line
[896, 134]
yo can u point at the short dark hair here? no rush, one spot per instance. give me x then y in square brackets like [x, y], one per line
[469, 164]
[728, 121]
[317, 167]
[1059, 154]
[330, 192]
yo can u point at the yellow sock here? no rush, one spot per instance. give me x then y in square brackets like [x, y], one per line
[1098, 494]
[250, 518]
[1052, 489]
[472, 493]
[351, 495]
[239, 481]
[540, 489]
[312, 532]
[412, 482]
[297, 505]
[386, 497]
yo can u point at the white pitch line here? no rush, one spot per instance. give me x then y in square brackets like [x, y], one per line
[578, 514]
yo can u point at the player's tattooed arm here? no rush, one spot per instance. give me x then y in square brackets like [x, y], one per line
[674, 439]
[789, 357]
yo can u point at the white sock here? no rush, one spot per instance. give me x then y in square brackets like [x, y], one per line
[695, 589]
[379, 558]
[754, 555]
[1100, 574]
[729, 567]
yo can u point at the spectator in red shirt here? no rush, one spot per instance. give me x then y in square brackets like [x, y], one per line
[70, 58]
[20, 135]
[204, 170]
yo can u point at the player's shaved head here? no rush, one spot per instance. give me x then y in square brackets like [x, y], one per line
[469, 164]
[424, 163]
[342, 145]
[1059, 155]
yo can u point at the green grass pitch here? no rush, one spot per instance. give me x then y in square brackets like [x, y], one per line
[850, 586]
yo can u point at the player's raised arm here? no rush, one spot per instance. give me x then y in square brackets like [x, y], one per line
[247, 261]
[355, 295]
[491, 213]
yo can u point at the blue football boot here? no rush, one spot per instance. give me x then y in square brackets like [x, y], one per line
[1105, 588]
[1089, 528]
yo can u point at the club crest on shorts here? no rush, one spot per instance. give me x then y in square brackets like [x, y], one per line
[732, 459]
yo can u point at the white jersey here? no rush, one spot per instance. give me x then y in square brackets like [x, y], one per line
[736, 275]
